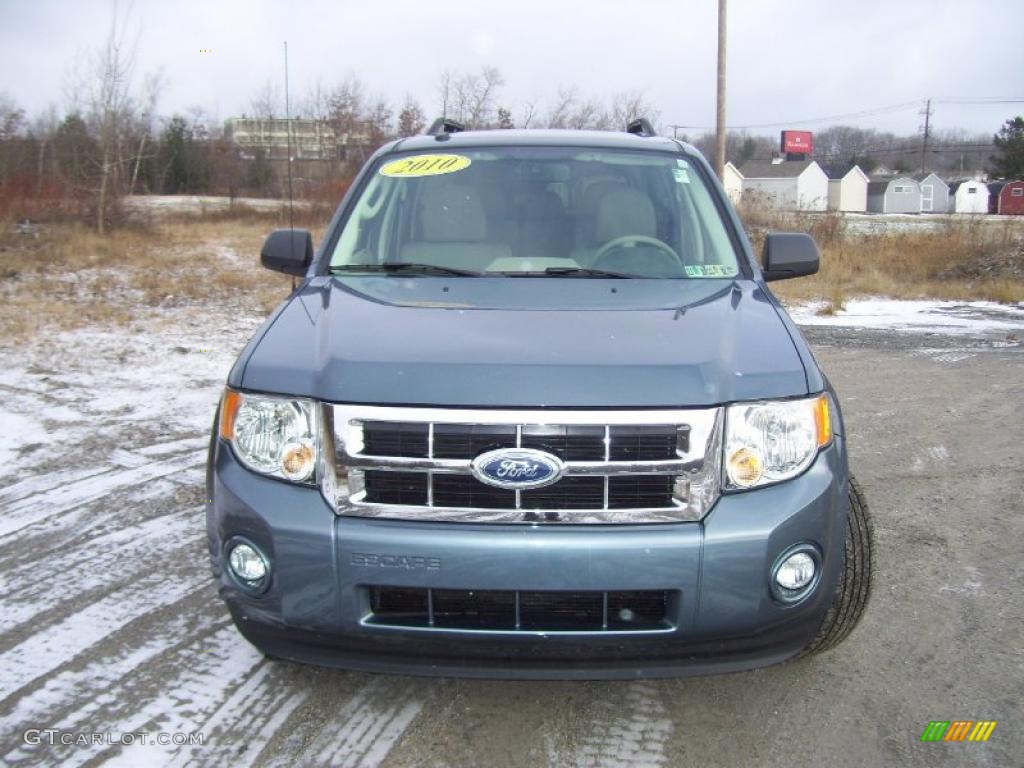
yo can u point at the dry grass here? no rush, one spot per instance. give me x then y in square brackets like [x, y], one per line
[70, 277]
[969, 259]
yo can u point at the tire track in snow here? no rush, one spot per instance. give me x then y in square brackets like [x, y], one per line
[46, 481]
[360, 733]
[59, 692]
[39, 586]
[628, 730]
[49, 649]
[34, 509]
[175, 693]
[363, 738]
[241, 727]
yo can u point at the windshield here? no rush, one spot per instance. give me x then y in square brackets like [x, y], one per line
[551, 211]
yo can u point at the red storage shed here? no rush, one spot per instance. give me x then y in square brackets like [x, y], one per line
[1006, 198]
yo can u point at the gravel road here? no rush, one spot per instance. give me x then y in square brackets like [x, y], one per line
[110, 624]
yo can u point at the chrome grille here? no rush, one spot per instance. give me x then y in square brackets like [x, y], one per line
[619, 466]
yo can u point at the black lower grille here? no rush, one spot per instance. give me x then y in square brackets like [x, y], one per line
[509, 611]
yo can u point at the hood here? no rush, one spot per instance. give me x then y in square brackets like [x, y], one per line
[526, 342]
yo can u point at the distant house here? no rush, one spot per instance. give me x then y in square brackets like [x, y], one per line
[847, 189]
[934, 193]
[732, 180]
[896, 194]
[1006, 198]
[800, 185]
[968, 196]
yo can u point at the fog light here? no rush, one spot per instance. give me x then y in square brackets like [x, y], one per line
[248, 565]
[796, 571]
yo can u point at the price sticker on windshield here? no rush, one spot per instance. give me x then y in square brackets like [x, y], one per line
[424, 165]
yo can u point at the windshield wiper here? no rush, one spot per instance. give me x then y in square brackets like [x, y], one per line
[403, 267]
[569, 272]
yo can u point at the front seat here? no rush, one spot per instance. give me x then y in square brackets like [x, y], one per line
[627, 212]
[451, 230]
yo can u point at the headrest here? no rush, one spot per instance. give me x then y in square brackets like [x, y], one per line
[623, 212]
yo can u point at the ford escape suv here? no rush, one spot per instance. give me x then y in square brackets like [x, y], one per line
[533, 411]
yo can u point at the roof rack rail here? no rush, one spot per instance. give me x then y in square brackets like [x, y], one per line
[445, 125]
[641, 126]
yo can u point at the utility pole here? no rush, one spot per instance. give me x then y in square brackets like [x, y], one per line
[924, 143]
[720, 107]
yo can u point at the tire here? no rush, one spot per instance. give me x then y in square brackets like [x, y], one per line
[854, 587]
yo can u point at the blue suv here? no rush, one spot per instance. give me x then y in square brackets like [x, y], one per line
[532, 411]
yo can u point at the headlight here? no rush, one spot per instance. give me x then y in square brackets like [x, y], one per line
[272, 435]
[770, 442]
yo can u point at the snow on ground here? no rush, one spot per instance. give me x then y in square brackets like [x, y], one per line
[942, 317]
[67, 388]
[198, 204]
[109, 621]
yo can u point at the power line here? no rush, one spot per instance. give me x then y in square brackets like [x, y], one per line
[906, 150]
[916, 104]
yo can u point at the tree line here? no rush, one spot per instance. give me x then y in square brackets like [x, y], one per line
[110, 140]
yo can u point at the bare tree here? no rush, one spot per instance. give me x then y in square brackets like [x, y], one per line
[529, 113]
[266, 103]
[151, 88]
[44, 127]
[346, 107]
[470, 98]
[106, 86]
[411, 119]
[378, 121]
[480, 94]
[561, 109]
[628, 106]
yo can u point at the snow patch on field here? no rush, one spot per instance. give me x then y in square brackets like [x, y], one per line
[63, 391]
[943, 317]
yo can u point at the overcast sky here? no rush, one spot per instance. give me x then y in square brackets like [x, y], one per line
[789, 60]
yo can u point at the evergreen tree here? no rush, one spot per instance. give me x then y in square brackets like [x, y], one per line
[1009, 163]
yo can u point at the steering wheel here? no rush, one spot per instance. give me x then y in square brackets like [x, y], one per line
[611, 245]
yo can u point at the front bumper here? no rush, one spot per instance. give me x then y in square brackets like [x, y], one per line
[316, 605]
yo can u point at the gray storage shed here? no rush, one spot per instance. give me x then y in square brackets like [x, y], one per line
[895, 194]
[934, 193]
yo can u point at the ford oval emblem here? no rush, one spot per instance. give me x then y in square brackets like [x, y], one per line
[517, 468]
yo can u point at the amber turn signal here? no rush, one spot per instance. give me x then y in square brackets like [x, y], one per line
[228, 411]
[823, 420]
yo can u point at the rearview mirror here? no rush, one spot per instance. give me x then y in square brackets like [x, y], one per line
[789, 254]
[289, 251]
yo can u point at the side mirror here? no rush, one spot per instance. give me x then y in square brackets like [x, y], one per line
[789, 254]
[289, 251]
